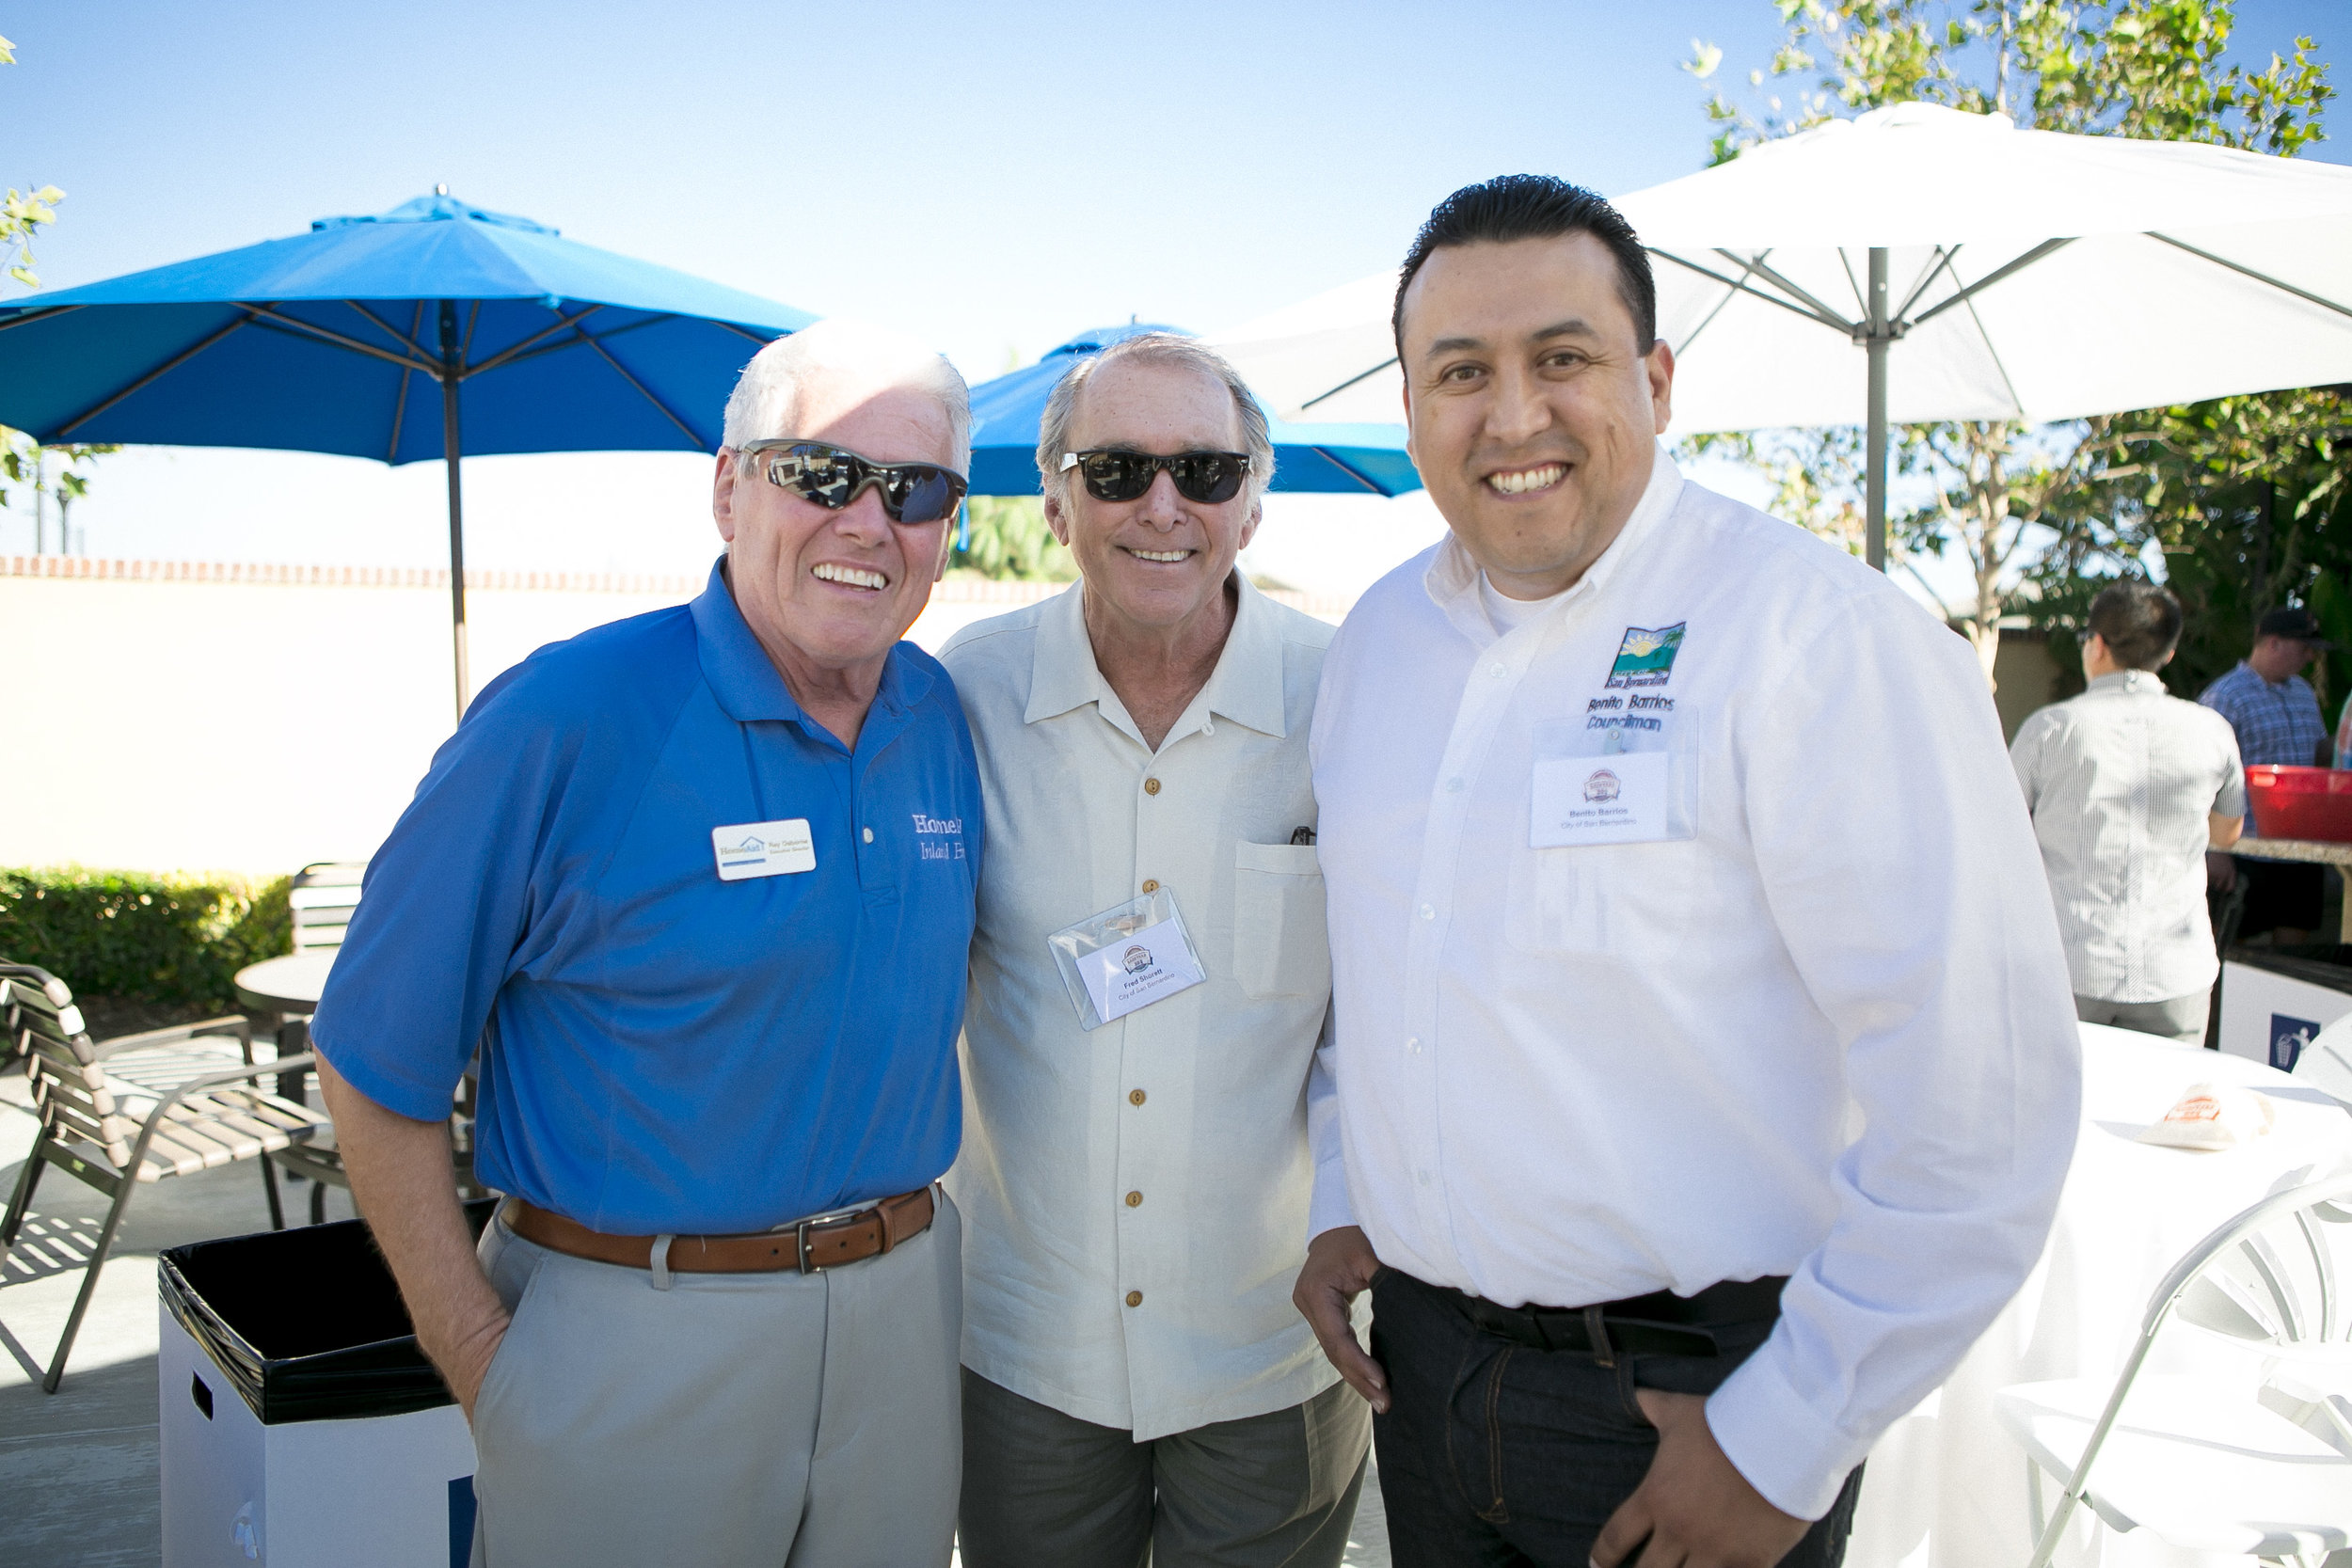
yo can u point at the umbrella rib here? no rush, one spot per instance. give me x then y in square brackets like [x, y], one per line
[1349, 382]
[1349, 469]
[744, 333]
[1749, 288]
[1943, 259]
[1970, 290]
[520, 354]
[403, 339]
[41, 315]
[2320, 300]
[400, 408]
[165, 369]
[2007, 384]
[623, 371]
[511, 351]
[1728, 297]
[1827, 315]
[268, 314]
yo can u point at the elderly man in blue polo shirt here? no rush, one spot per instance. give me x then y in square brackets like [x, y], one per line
[699, 885]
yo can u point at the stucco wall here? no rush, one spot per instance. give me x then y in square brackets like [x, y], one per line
[173, 716]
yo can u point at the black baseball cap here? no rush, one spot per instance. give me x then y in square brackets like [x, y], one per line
[2295, 621]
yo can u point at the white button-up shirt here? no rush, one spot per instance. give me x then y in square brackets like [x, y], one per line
[2120, 782]
[1134, 1196]
[1821, 1029]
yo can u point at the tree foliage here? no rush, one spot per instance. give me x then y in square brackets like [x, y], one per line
[2019, 502]
[1006, 538]
[22, 212]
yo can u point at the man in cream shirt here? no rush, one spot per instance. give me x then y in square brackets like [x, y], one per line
[1135, 1192]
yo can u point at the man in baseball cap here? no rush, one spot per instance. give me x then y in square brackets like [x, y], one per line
[2276, 714]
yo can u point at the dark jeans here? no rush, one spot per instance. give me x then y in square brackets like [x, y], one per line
[1494, 1455]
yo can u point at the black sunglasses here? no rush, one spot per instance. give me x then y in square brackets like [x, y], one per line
[833, 477]
[1207, 478]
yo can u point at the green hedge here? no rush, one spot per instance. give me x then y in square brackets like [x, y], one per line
[139, 936]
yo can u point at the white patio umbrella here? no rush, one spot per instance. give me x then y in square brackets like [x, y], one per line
[1921, 264]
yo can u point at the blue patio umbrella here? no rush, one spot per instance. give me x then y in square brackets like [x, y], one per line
[1330, 459]
[429, 331]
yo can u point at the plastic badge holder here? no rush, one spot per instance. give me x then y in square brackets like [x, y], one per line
[1125, 957]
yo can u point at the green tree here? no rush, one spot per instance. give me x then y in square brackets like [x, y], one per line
[2145, 68]
[1007, 539]
[23, 460]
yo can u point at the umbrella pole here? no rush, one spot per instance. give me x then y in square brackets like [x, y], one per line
[1874, 471]
[451, 453]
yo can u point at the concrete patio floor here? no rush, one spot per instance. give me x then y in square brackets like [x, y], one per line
[79, 1468]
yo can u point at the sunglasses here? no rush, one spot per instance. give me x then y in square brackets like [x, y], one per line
[1207, 478]
[833, 477]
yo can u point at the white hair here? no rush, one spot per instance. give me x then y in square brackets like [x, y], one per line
[1153, 348]
[766, 396]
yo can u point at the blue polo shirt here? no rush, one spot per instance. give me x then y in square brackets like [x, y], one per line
[663, 1050]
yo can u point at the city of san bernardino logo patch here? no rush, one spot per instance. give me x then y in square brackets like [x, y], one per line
[1646, 657]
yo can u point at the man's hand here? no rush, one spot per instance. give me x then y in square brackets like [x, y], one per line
[464, 1364]
[1338, 1268]
[1693, 1509]
[2221, 871]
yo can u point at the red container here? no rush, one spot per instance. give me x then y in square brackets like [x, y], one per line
[2301, 803]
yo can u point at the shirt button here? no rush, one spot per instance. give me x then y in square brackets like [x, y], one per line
[1428, 913]
[1150, 884]
[1497, 671]
[1412, 1046]
[1420, 1175]
[869, 835]
[1150, 787]
[1134, 1298]
[1134, 1200]
[1453, 786]
[1134, 1096]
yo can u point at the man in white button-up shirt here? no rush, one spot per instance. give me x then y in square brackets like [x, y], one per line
[2129, 787]
[1705, 1064]
[1134, 1191]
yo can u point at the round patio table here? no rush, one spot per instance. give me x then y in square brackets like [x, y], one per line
[1946, 1486]
[287, 984]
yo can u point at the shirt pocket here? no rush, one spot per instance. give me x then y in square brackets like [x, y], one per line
[1602, 899]
[1280, 946]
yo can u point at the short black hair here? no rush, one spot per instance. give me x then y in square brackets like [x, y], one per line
[2139, 623]
[1535, 207]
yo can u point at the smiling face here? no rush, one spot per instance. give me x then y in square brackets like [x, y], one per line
[1158, 562]
[833, 591]
[1535, 415]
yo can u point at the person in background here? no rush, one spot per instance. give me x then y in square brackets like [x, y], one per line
[1135, 1384]
[2276, 716]
[2128, 787]
[700, 885]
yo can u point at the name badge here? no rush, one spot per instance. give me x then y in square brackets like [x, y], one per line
[763, 849]
[1124, 958]
[1606, 799]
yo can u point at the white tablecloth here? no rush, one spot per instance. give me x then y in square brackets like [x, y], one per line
[1946, 1487]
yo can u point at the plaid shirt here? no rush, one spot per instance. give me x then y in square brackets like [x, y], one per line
[2277, 724]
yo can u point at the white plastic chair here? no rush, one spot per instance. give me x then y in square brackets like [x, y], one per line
[2208, 1463]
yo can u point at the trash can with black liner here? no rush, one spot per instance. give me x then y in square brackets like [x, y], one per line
[301, 1426]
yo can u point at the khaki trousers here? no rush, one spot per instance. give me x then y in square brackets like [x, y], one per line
[2178, 1018]
[732, 1420]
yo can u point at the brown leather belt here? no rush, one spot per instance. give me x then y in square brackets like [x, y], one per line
[818, 1243]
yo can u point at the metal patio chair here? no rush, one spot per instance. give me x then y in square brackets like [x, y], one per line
[135, 1110]
[2210, 1464]
[321, 901]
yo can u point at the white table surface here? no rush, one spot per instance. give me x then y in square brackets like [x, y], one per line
[287, 984]
[1946, 1487]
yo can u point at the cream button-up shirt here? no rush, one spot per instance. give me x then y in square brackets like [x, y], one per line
[1134, 1196]
[1819, 1025]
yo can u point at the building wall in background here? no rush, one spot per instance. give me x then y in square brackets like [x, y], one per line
[185, 716]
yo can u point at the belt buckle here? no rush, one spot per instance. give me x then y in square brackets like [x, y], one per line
[802, 1228]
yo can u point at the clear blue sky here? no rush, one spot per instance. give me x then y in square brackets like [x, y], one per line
[991, 177]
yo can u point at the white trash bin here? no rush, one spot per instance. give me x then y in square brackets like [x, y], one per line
[2273, 1004]
[301, 1427]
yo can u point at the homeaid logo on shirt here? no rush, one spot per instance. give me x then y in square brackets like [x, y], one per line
[938, 838]
[1646, 657]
